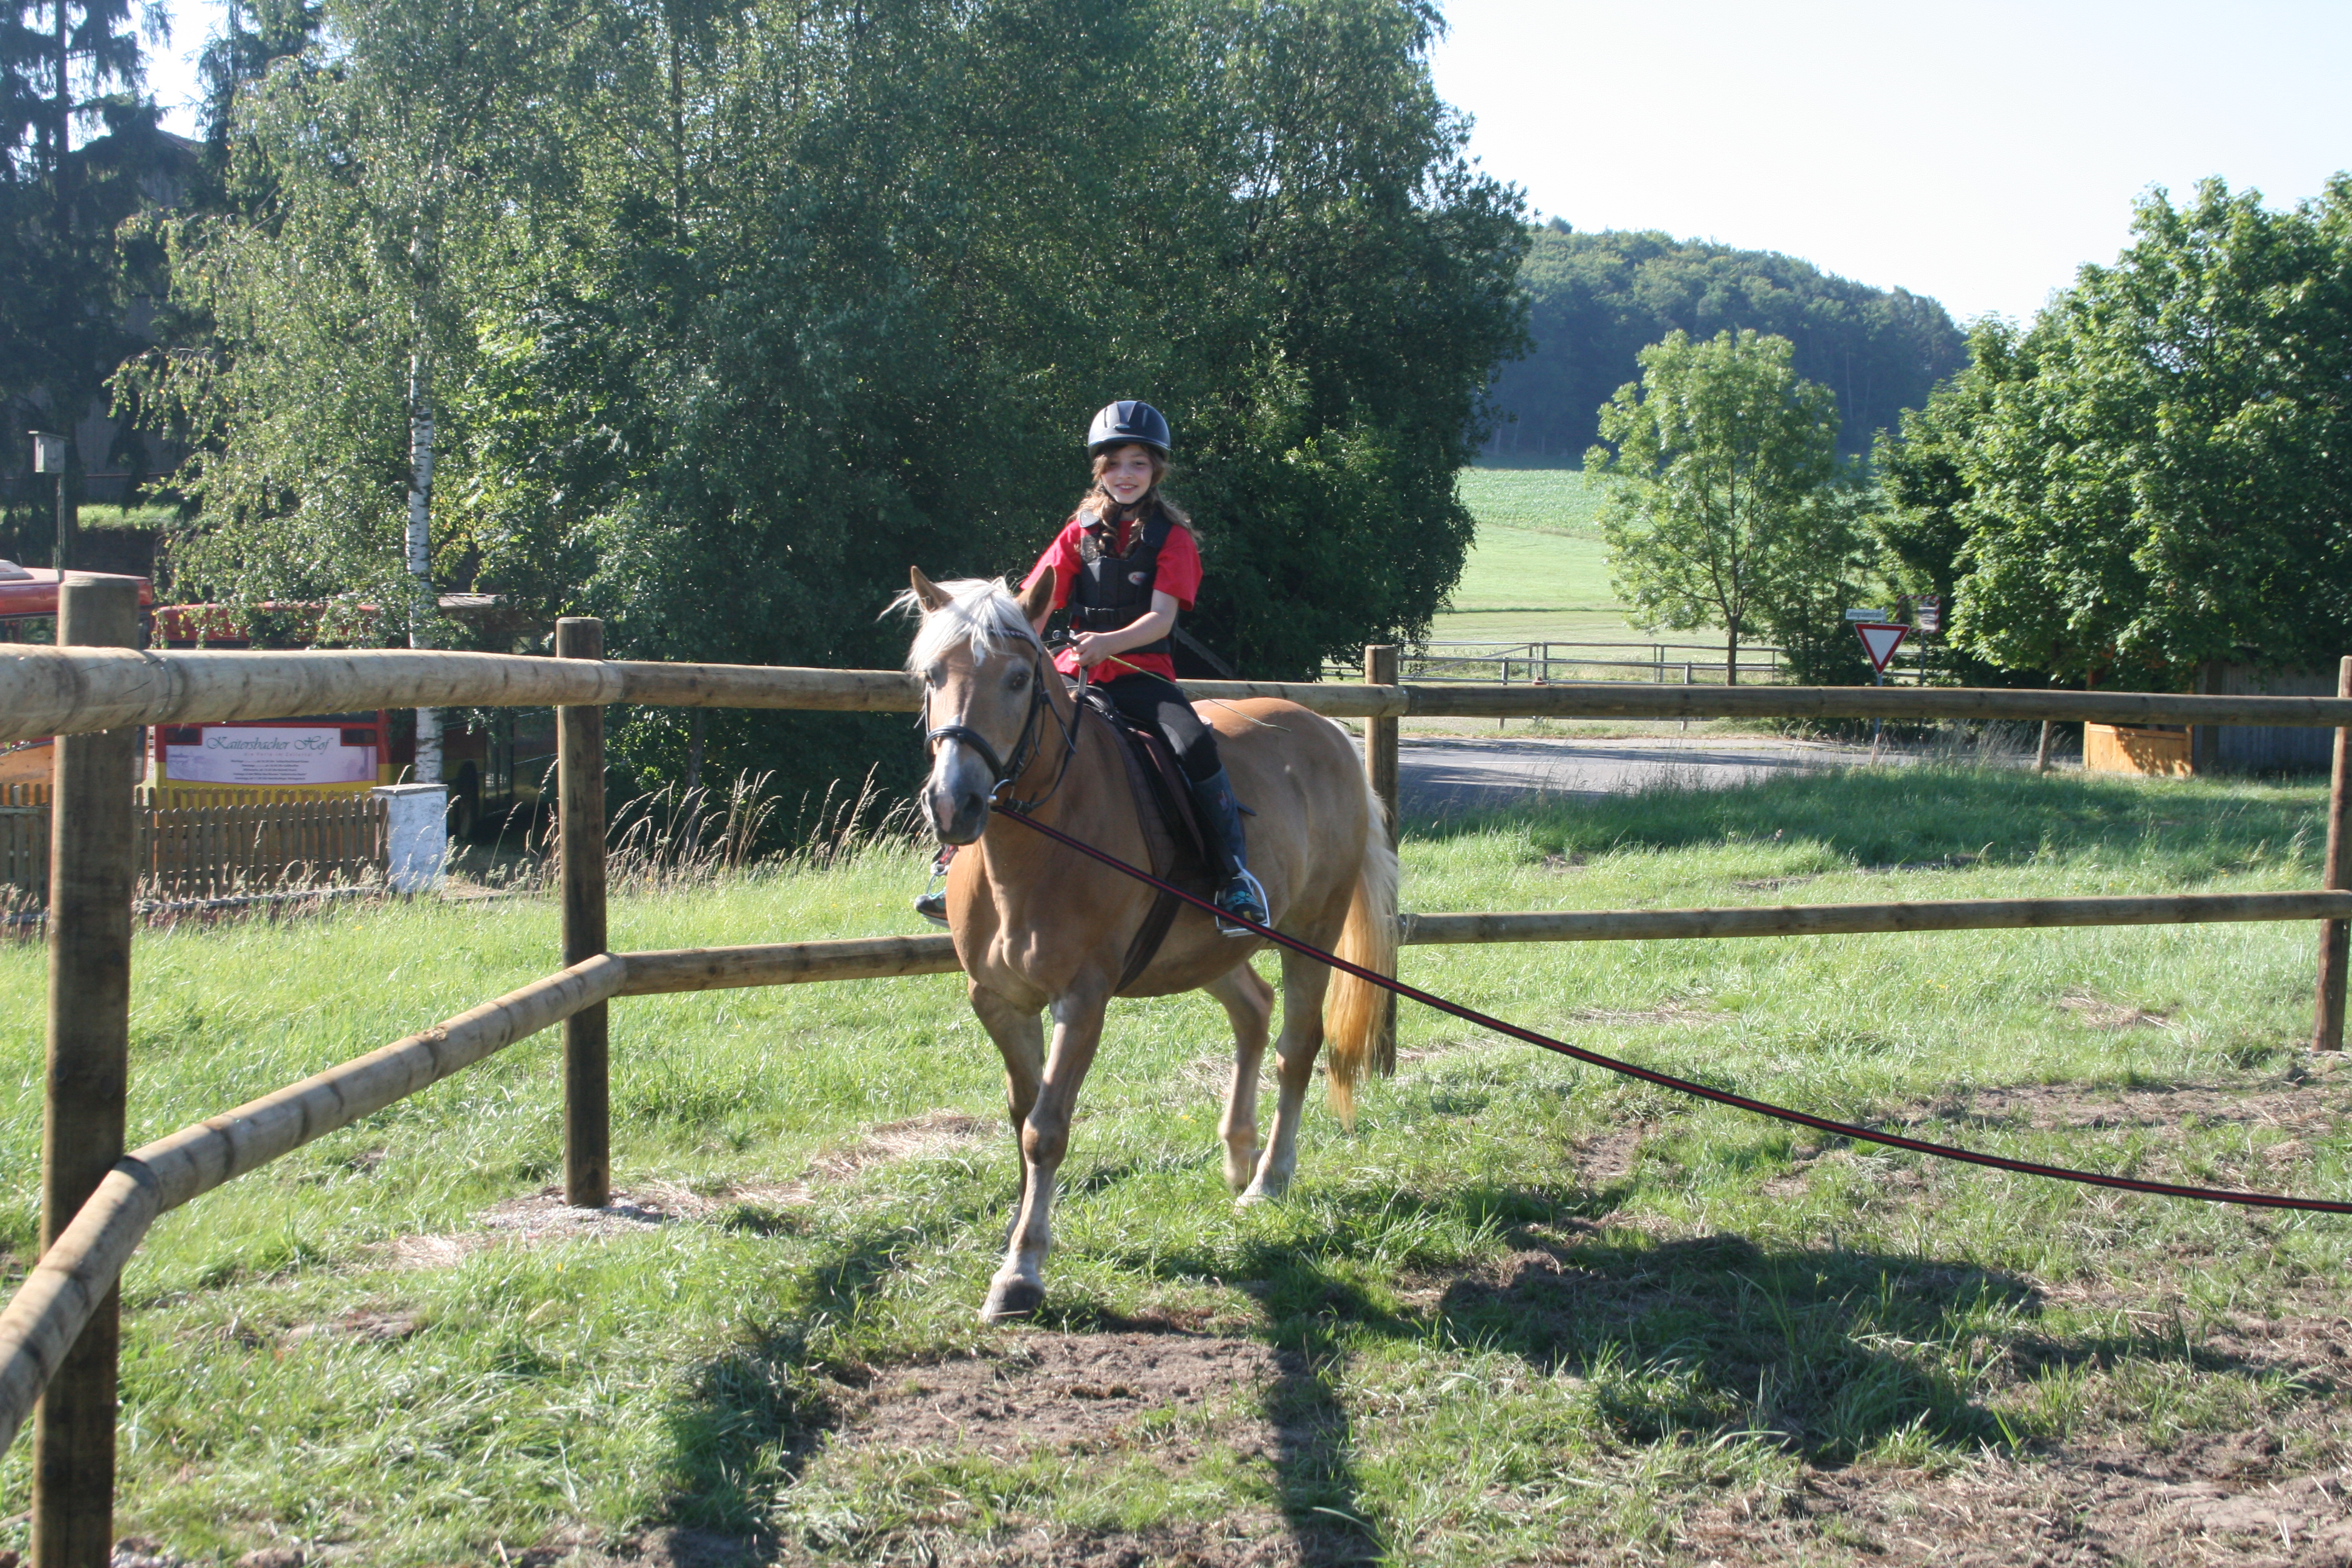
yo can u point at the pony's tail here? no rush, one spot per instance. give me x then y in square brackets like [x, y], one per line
[1358, 1023]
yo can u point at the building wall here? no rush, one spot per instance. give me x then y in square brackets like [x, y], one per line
[2265, 748]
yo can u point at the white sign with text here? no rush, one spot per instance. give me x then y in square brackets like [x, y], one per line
[243, 755]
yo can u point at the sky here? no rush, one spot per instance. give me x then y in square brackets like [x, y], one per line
[1975, 151]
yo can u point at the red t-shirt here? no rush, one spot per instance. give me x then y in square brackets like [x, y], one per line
[1178, 575]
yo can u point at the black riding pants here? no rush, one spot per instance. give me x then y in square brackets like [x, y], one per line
[1147, 700]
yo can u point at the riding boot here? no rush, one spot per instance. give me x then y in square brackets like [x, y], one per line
[1238, 892]
[933, 905]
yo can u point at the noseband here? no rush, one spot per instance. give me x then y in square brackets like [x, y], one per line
[1003, 774]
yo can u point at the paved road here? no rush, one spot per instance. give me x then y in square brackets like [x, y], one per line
[1440, 776]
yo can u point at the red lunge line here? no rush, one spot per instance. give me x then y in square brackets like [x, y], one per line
[1684, 1085]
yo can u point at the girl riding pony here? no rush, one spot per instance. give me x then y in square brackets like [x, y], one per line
[1125, 566]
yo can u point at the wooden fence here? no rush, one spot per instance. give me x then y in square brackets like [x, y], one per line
[211, 847]
[24, 843]
[59, 1335]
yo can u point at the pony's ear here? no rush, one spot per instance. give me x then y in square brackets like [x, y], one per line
[928, 594]
[1037, 598]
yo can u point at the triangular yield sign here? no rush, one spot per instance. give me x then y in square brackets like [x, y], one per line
[1879, 641]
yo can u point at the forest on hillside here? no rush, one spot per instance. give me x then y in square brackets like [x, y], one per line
[1595, 300]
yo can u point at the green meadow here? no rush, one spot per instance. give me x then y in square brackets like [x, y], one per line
[1539, 568]
[1523, 1311]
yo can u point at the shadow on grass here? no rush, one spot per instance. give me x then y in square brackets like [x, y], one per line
[1831, 1353]
[756, 1414]
[1314, 1440]
[1834, 1350]
[1929, 812]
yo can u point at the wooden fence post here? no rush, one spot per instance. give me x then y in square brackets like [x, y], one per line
[2327, 1029]
[1380, 734]
[1380, 767]
[92, 876]
[587, 1064]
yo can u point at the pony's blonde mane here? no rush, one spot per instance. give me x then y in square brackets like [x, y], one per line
[981, 614]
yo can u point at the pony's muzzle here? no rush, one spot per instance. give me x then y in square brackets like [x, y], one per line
[955, 797]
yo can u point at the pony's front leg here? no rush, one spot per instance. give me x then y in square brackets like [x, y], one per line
[1020, 1037]
[1304, 981]
[1019, 1286]
[1249, 1004]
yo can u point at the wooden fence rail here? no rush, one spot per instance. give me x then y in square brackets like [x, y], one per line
[91, 1226]
[71, 690]
[77, 1271]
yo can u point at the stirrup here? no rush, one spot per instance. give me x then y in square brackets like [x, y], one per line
[933, 907]
[1255, 891]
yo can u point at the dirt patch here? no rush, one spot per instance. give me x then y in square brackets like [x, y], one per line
[2101, 1014]
[1611, 1157]
[1673, 1010]
[1074, 1392]
[543, 1216]
[915, 1138]
[2097, 1506]
[1258, 1542]
[1544, 1291]
[378, 1327]
[2307, 1109]
[1101, 1393]
[668, 1547]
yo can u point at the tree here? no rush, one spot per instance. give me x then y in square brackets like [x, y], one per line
[1596, 299]
[1721, 486]
[67, 287]
[1283, 246]
[254, 35]
[734, 312]
[1922, 469]
[1831, 559]
[385, 169]
[2157, 474]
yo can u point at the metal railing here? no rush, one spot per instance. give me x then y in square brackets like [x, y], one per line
[1559, 661]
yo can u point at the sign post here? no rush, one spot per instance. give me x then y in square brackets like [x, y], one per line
[1880, 638]
[49, 458]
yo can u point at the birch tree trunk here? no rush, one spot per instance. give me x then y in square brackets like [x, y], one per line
[424, 605]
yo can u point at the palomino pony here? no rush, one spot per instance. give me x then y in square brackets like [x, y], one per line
[1040, 928]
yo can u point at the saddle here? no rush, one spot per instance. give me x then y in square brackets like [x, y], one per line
[1171, 834]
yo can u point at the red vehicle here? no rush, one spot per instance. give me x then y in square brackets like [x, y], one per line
[490, 768]
[28, 612]
[317, 754]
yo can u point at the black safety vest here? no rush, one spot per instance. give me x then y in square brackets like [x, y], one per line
[1114, 591]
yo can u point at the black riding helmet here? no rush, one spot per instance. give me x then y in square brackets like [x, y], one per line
[1125, 421]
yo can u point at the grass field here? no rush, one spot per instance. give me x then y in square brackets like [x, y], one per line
[1539, 568]
[1545, 500]
[1523, 1311]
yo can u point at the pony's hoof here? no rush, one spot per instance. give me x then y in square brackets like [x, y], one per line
[1258, 1192]
[1238, 1169]
[1012, 1299]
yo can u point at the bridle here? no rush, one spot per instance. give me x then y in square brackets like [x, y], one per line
[1002, 773]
